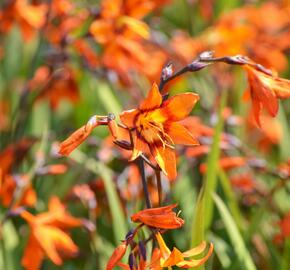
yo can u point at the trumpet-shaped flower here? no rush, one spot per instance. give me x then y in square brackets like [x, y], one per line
[161, 217]
[265, 91]
[176, 257]
[155, 126]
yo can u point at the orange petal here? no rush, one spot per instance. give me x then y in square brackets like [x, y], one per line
[75, 139]
[174, 258]
[54, 242]
[117, 255]
[195, 251]
[128, 117]
[180, 135]
[195, 263]
[178, 107]
[33, 255]
[282, 88]
[257, 107]
[164, 250]
[161, 217]
[29, 218]
[102, 31]
[139, 147]
[165, 157]
[153, 100]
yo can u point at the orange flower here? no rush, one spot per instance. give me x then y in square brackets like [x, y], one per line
[175, 257]
[227, 163]
[56, 86]
[26, 195]
[14, 153]
[47, 237]
[155, 126]
[29, 17]
[244, 182]
[160, 217]
[285, 226]
[117, 255]
[265, 91]
[121, 32]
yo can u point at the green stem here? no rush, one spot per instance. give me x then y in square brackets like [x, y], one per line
[3, 250]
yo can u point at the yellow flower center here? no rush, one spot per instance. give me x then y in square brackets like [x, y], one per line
[152, 130]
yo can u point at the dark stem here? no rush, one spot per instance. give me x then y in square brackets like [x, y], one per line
[203, 60]
[144, 183]
[159, 187]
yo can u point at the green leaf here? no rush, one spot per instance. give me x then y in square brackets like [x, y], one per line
[212, 165]
[238, 244]
[119, 223]
[231, 199]
[198, 230]
[107, 98]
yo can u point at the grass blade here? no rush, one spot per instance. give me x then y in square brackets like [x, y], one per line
[212, 165]
[119, 223]
[238, 244]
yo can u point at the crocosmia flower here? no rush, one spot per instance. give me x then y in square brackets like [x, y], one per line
[265, 90]
[160, 217]
[176, 257]
[155, 126]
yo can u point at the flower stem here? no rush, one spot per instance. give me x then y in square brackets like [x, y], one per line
[144, 183]
[159, 187]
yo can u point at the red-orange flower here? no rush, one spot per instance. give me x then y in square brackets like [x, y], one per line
[121, 32]
[175, 257]
[26, 195]
[227, 163]
[29, 17]
[265, 91]
[160, 217]
[48, 236]
[56, 86]
[156, 126]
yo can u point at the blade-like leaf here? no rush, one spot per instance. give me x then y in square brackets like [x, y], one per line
[118, 223]
[238, 244]
[212, 165]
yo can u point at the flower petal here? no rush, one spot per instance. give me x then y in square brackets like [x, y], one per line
[195, 263]
[128, 117]
[117, 255]
[54, 241]
[139, 147]
[164, 250]
[153, 100]
[33, 255]
[165, 157]
[195, 251]
[180, 135]
[74, 140]
[174, 258]
[178, 107]
[160, 217]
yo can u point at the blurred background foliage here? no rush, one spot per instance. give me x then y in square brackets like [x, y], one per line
[242, 223]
